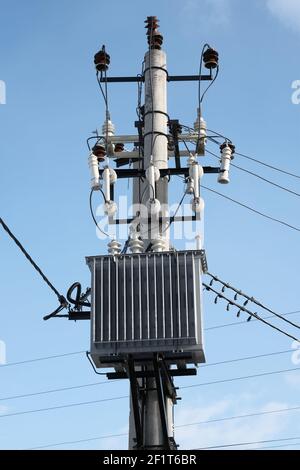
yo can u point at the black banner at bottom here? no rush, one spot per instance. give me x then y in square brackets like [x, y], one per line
[134, 459]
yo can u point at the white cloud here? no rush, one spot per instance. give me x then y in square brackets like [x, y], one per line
[258, 428]
[3, 409]
[287, 11]
[205, 14]
[293, 379]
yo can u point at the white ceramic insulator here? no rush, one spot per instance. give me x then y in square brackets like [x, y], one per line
[136, 244]
[94, 169]
[106, 183]
[226, 155]
[108, 128]
[196, 172]
[201, 130]
[158, 244]
[114, 247]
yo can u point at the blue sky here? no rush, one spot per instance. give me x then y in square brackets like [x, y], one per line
[52, 105]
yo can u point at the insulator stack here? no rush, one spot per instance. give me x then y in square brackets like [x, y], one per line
[136, 244]
[201, 128]
[211, 58]
[108, 128]
[155, 38]
[93, 165]
[99, 151]
[158, 244]
[101, 60]
[227, 150]
[114, 247]
[231, 146]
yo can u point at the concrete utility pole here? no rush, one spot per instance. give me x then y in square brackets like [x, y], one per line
[156, 154]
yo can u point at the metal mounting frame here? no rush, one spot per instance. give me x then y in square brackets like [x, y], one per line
[164, 386]
[170, 78]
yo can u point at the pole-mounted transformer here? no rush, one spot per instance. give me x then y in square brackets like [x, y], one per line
[146, 305]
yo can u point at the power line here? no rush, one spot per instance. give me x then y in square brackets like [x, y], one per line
[248, 443]
[61, 298]
[62, 406]
[44, 358]
[249, 415]
[247, 358]
[92, 212]
[252, 209]
[278, 447]
[209, 421]
[267, 165]
[243, 377]
[233, 379]
[108, 436]
[257, 176]
[238, 292]
[225, 325]
[54, 390]
[243, 309]
[254, 159]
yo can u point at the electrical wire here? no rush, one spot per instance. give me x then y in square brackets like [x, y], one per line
[78, 441]
[267, 165]
[260, 162]
[225, 325]
[62, 300]
[274, 353]
[54, 390]
[272, 167]
[202, 384]
[247, 358]
[281, 222]
[247, 443]
[200, 97]
[251, 299]
[172, 218]
[256, 175]
[242, 377]
[211, 83]
[180, 426]
[17, 413]
[266, 180]
[252, 314]
[44, 358]
[278, 446]
[92, 364]
[92, 212]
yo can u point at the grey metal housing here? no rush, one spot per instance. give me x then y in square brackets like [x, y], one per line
[146, 303]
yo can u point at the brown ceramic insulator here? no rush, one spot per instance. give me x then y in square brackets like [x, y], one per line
[101, 60]
[155, 38]
[211, 58]
[119, 147]
[99, 152]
